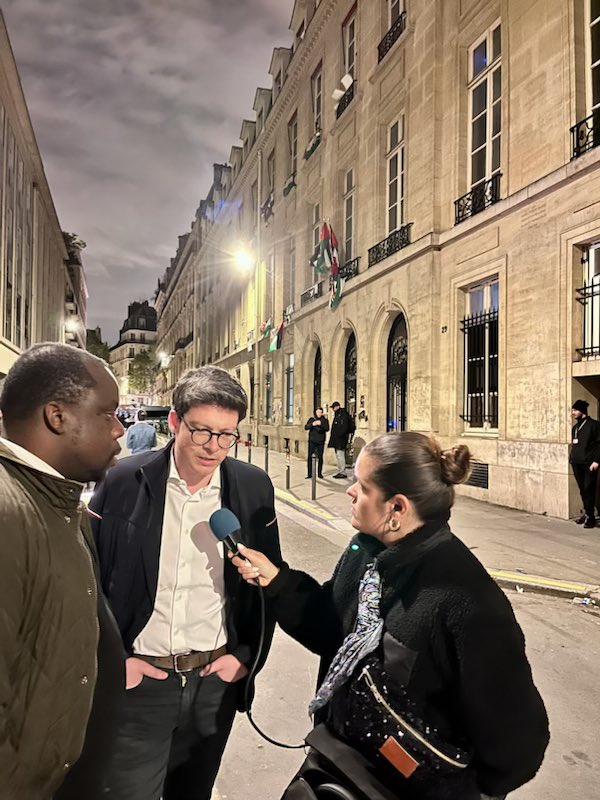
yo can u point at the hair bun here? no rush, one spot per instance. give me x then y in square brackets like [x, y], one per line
[455, 464]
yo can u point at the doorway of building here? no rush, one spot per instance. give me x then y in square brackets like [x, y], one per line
[397, 375]
[350, 376]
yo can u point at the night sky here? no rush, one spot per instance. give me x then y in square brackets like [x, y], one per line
[132, 101]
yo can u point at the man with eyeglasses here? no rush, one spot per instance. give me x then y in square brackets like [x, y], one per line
[190, 627]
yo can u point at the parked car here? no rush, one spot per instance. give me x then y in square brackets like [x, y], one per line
[157, 416]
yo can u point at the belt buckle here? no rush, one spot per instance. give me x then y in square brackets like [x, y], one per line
[176, 663]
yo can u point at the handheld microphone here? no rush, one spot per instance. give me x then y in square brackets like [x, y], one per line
[226, 528]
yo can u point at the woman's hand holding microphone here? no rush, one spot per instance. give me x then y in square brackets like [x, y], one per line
[254, 567]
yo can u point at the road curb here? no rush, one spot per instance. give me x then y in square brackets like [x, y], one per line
[515, 581]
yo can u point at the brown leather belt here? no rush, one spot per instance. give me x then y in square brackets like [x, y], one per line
[185, 662]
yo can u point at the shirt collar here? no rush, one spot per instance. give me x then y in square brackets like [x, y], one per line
[30, 459]
[215, 481]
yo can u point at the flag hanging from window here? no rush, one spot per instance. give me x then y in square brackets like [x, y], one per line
[276, 337]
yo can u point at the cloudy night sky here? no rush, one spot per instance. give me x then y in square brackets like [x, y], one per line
[132, 101]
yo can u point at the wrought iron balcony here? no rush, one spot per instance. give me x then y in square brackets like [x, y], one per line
[345, 100]
[589, 297]
[314, 291]
[478, 199]
[184, 341]
[350, 269]
[394, 242]
[585, 135]
[392, 36]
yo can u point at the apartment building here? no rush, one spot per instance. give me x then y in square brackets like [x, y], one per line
[137, 335]
[41, 298]
[452, 149]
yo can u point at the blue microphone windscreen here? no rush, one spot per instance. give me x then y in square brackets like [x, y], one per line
[223, 523]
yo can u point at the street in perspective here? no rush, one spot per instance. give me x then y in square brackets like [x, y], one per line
[277, 274]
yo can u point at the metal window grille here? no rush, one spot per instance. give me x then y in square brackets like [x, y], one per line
[480, 405]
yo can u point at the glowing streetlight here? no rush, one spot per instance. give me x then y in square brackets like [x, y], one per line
[244, 260]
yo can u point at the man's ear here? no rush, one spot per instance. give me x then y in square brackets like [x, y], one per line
[54, 417]
[173, 421]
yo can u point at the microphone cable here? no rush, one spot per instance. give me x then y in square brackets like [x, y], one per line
[251, 677]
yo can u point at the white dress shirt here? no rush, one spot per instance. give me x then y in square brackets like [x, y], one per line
[189, 610]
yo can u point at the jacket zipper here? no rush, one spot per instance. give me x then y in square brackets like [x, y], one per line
[407, 727]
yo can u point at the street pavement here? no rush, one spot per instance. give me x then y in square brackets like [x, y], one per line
[563, 645]
[529, 551]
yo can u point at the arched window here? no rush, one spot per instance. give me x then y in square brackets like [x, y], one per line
[350, 376]
[397, 375]
[317, 381]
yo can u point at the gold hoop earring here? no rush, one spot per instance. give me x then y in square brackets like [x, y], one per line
[394, 525]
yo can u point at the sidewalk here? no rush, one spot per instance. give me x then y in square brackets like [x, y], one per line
[520, 550]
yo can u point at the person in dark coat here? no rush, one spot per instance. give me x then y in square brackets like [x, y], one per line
[342, 428]
[585, 458]
[446, 635]
[191, 629]
[317, 427]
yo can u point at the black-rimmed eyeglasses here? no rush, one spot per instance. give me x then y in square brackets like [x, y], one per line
[203, 436]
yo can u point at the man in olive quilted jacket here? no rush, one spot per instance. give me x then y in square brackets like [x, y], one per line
[61, 661]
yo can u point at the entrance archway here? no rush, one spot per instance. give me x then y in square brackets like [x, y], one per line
[397, 375]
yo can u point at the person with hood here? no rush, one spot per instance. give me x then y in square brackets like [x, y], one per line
[342, 429]
[585, 458]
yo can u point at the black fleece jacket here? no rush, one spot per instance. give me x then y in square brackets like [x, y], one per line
[457, 646]
[585, 438]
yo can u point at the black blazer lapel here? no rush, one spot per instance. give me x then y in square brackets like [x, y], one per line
[230, 498]
[149, 512]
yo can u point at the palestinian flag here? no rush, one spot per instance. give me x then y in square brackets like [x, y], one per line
[324, 257]
[333, 251]
[276, 337]
[337, 287]
[265, 328]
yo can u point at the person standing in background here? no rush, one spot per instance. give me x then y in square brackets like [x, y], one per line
[141, 436]
[585, 458]
[342, 429]
[317, 427]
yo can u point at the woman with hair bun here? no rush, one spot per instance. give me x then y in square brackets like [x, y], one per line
[424, 688]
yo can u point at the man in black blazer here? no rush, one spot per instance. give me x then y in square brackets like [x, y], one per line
[190, 626]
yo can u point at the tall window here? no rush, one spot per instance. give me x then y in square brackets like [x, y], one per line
[349, 215]
[291, 273]
[268, 390]
[289, 388]
[350, 376]
[395, 176]
[252, 390]
[293, 143]
[480, 330]
[395, 9]
[349, 39]
[593, 73]
[397, 375]
[316, 235]
[317, 380]
[271, 171]
[317, 98]
[254, 201]
[485, 102]
[589, 297]
[8, 285]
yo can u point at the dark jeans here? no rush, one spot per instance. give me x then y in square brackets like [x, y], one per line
[172, 734]
[317, 449]
[587, 482]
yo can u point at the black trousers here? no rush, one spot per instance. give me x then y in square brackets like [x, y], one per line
[317, 449]
[587, 482]
[173, 735]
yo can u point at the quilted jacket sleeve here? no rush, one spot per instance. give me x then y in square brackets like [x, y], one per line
[15, 565]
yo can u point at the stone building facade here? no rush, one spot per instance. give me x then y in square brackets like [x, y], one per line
[452, 148]
[41, 299]
[137, 335]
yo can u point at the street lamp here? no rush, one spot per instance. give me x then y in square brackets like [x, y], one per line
[244, 260]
